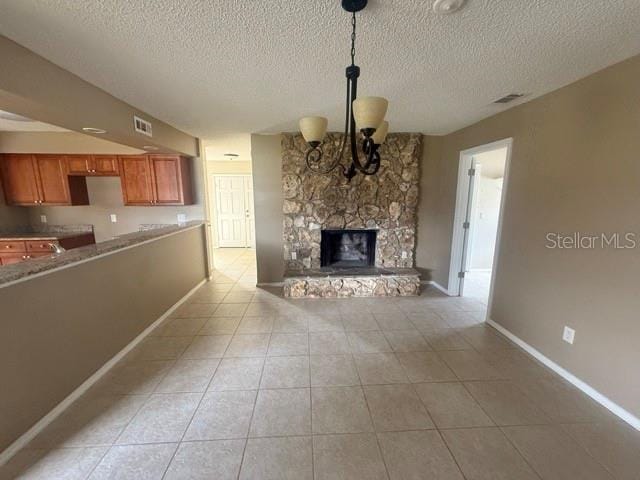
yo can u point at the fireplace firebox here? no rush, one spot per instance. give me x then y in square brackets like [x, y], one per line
[348, 248]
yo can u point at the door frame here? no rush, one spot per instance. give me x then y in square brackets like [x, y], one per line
[213, 205]
[455, 284]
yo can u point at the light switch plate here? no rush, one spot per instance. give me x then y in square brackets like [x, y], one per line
[43, 218]
[569, 335]
[182, 218]
[294, 256]
[114, 218]
[404, 255]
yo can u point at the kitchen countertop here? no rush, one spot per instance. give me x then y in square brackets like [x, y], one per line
[23, 270]
[40, 235]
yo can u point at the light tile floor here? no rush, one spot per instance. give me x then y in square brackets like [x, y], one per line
[241, 383]
[476, 285]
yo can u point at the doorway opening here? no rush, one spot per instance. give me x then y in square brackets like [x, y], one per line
[482, 181]
[231, 208]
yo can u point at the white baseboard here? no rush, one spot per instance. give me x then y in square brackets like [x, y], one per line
[571, 378]
[26, 437]
[438, 286]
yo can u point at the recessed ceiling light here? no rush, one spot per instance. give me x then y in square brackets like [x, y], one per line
[150, 147]
[93, 130]
[445, 7]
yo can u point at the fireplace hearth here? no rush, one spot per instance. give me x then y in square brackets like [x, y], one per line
[348, 248]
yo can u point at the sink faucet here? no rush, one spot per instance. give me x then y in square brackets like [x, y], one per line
[57, 248]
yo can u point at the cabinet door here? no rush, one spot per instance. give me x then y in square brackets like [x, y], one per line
[53, 182]
[105, 165]
[167, 179]
[78, 164]
[10, 258]
[136, 179]
[19, 179]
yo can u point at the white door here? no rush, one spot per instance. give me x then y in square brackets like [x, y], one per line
[249, 212]
[234, 211]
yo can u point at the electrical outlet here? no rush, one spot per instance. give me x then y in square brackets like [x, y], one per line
[404, 255]
[43, 219]
[294, 256]
[568, 335]
[114, 218]
[182, 218]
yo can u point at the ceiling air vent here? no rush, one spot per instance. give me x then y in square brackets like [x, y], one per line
[142, 126]
[509, 98]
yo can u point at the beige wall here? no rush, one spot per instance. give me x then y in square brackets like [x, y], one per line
[105, 198]
[60, 142]
[105, 193]
[36, 88]
[11, 217]
[60, 328]
[575, 168]
[266, 154]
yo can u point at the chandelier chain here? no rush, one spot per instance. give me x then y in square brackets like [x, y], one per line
[353, 39]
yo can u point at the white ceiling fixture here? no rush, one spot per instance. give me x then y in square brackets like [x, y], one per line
[96, 131]
[187, 63]
[445, 7]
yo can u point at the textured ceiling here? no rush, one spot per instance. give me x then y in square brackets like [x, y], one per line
[211, 67]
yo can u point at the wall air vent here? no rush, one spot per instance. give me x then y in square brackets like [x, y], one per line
[509, 98]
[142, 126]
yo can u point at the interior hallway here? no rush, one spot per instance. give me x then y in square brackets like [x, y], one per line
[241, 383]
[476, 286]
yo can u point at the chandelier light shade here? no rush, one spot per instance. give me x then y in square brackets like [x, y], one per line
[365, 114]
[369, 112]
[380, 135]
[313, 129]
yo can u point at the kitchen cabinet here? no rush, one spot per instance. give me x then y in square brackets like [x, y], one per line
[92, 165]
[34, 180]
[19, 179]
[156, 180]
[19, 248]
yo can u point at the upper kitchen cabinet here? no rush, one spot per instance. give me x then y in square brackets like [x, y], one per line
[135, 176]
[33, 180]
[156, 180]
[93, 165]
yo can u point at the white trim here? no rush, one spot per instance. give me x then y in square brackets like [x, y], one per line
[437, 286]
[462, 198]
[95, 257]
[26, 437]
[571, 378]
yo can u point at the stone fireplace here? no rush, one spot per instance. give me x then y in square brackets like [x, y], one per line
[348, 248]
[369, 223]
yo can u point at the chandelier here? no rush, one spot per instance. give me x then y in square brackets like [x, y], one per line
[365, 114]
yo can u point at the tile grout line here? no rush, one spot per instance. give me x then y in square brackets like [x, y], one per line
[313, 459]
[253, 411]
[204, 393]
[373, 426]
